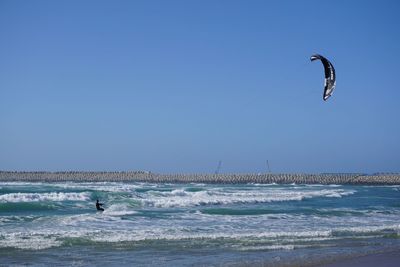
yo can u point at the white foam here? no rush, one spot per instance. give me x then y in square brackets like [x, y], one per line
[118, 210]
[271, 247]
[20, 183]
[258, 184]
[178, 192]
[197, 184]
[31, 242]
[159, 234]
[368, 229]
[182, 234]
[46, 237]
[100, 186]
[181, 198]
[53, 196]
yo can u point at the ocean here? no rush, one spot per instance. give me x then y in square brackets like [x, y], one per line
[148, 224]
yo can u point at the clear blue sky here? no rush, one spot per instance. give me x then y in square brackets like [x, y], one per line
[176, 86]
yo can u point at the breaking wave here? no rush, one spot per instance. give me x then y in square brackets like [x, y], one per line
[182, 198]
[37, 240]
[52, 196]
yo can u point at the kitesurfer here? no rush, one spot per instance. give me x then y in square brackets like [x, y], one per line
[98, 205]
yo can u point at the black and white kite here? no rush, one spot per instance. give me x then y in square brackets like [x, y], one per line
[330, 75]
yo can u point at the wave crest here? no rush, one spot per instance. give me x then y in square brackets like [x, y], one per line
[182, 198]
[52, 196]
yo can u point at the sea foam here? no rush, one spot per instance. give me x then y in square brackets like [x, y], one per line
[52, 196]
[182, 198]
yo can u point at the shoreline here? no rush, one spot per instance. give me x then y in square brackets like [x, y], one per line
[390, 258]
[387, 259]
[261, 178]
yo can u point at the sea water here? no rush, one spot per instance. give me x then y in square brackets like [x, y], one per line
[146, 224]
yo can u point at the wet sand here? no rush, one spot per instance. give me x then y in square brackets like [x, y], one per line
[387, 259]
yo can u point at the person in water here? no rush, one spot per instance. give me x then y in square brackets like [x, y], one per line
[98, 205]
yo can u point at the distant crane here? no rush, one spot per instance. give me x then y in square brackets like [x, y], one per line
[218, 168]
[269, 169]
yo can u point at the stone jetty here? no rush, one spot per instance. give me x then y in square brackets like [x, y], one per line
[144, 176]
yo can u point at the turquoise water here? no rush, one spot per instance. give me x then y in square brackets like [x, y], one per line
[148, 224]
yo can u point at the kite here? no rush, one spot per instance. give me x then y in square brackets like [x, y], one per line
[330, 75]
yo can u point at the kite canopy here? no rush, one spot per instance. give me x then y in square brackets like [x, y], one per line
[330, 75]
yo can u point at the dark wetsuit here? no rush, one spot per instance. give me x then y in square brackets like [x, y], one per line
[98, 206]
